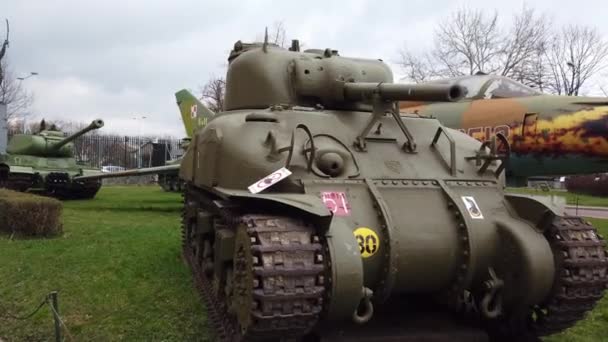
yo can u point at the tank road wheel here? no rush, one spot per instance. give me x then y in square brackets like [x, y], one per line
[269, 287]
[581, 275]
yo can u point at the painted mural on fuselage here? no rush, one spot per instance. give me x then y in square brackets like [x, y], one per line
[549, 134]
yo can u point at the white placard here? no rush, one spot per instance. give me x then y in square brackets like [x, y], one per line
[472, 207]
[269, 180]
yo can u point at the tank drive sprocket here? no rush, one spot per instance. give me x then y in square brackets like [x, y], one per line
[581, 277]
[581, 274]
[275, 288]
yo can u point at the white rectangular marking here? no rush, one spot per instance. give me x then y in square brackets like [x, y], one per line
[269, 180]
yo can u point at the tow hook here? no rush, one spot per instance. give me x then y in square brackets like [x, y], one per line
[365, 310]
[491, 304]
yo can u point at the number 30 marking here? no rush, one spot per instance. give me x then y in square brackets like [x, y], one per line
[368, 241]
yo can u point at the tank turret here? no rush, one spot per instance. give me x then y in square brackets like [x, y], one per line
[48, 143]
[261, 77]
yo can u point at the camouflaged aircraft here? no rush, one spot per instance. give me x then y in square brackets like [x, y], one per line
[194, 115]
[549, 135]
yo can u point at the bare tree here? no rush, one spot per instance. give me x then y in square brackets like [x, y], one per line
[575, 55]
[523, 47]
[16, 98]
[277, 34]
[470, 41]
[418, 68]
[212, 93]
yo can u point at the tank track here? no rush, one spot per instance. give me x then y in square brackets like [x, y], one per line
[581, 275]
[81, 190]
[171, 183]
[61, 186]
[287, 277]
[18, 182]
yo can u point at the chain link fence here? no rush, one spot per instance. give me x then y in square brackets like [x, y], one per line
[115, 152]
[126, 152]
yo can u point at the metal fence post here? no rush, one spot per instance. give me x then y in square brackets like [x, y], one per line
[55, 305]
[125, 163]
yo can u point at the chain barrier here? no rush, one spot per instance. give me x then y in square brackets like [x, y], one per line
[23, 318]
[51, 300]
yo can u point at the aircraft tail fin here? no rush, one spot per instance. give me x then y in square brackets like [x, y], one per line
[194, 113]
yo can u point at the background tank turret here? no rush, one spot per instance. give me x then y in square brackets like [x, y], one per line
[314, 209]
[45, 163]
[48, 143]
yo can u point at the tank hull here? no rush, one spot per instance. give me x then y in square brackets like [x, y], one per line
[47, 176]
[408, 229]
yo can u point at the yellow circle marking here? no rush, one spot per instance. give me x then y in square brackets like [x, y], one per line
[368, 241]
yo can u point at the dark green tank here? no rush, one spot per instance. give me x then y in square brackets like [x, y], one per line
[314, 211]
[45, 163]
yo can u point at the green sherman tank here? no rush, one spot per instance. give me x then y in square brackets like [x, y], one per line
[45, 163]
[313, 211]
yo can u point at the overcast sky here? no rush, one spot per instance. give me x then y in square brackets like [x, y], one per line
[123, 59]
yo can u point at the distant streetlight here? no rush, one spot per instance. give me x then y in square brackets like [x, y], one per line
[32, 73]
[140, 129]
[141, 126]
[21, 79]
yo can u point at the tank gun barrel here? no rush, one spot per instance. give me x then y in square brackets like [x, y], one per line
[403, 92]
[95, 124]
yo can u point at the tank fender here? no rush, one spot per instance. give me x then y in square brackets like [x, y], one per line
[534, 209]
[305, 203]
[21, 169]
[524, 261]
[346, 271]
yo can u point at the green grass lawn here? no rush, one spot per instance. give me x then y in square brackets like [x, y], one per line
[117, 269]
[120, 275]
[570, 197]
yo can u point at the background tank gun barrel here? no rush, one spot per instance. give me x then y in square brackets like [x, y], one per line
[95, 124]
[403, 92]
